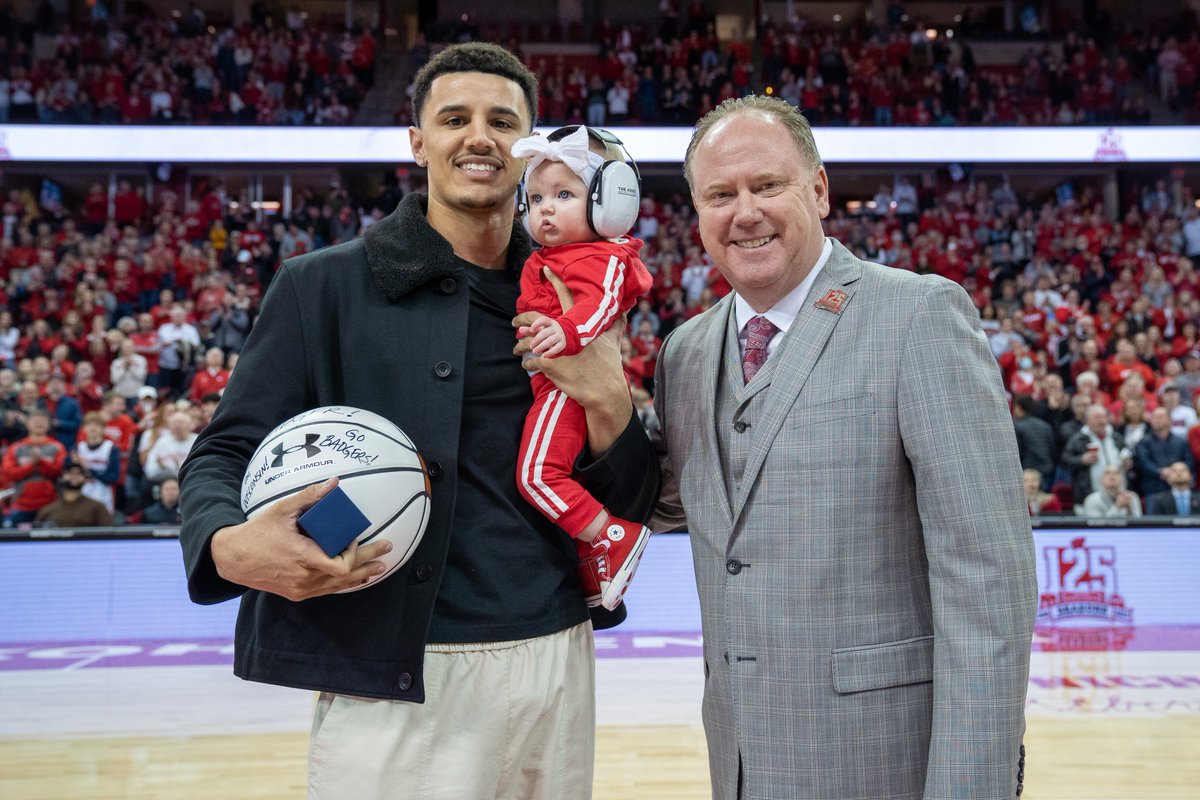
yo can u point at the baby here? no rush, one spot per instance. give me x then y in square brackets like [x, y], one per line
[606, 278]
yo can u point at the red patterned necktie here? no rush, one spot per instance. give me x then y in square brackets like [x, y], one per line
[759, 331]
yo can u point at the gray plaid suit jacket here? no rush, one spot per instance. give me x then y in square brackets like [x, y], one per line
[867, 592]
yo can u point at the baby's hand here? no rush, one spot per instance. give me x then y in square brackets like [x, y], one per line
[548, 337]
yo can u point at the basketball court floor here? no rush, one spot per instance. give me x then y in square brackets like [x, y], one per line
[113, 686]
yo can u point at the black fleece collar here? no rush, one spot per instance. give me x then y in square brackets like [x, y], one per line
[404, 252]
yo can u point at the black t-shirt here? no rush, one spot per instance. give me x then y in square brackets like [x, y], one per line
[510, 572]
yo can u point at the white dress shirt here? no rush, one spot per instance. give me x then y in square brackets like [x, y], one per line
[783, 313]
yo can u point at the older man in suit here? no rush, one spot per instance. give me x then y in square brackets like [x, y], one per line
[849, 476]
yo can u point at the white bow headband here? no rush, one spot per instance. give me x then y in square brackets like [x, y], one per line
[571, 150]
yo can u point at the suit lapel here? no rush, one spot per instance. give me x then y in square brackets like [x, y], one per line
[797, 355]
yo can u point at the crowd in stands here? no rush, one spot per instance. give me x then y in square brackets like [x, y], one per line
[1095, 324]
[144, 69]
[118, 334]
[895, 73]
[124, 329]
[148, 70]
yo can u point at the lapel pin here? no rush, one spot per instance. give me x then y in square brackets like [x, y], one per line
[833, 301]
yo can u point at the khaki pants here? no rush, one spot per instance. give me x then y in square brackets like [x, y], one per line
[500, 720]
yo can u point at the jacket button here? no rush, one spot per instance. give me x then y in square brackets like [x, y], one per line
[740, 426]
[424, 572]
[1021, 762]
[448, 286]
[733, 566]
[1020, 775]
[1020, 789]
[434, 468]
[1022, 749]
[442, 369]
[404, 682]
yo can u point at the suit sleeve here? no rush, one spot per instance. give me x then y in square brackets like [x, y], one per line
[668, 514]
[269, 385]
[958, 437]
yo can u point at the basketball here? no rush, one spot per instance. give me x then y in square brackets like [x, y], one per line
[376, 464]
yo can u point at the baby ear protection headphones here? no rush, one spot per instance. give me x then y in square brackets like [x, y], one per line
[615, 196]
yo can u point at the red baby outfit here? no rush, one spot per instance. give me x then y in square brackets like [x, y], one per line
[606, 278]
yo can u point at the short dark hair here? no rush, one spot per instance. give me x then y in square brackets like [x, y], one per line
[475, 57]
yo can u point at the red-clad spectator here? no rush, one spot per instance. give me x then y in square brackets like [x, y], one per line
[86, 389]
[119, 427]
[39, 341]
[60, 363]
[128, 205]
[209, 298]
[160, 312]
[635, 367]
[147, 344]
[646, 345]
[252, 237]
[1122, 364]
[31, 466]
[135, 109]
[95, 210]
[212, 379]
[195, 226]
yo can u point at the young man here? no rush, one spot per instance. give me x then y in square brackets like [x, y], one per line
[427, 677]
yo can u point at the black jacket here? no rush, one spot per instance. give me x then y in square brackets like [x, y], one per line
[378, 323]
[1035, 444]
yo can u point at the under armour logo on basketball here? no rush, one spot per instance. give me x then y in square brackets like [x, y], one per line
[759, 332]
[310, 449]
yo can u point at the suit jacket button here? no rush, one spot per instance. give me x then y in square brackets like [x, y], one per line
[740, 426]
[424, 572]
[404, 682]
[1022, 749]
[434, 468]
[1020, 775]
[1021, 762]
[448, 286]
[1020, 789]
[442, 369]
[733, 566]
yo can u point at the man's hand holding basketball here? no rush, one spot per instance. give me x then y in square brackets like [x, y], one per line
[272, 554]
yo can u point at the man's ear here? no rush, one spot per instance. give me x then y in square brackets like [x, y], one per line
[821, 190]
[416, 143]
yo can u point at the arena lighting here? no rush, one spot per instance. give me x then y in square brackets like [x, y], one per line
[181, 146]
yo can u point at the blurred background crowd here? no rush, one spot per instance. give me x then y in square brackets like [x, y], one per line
[123, 310]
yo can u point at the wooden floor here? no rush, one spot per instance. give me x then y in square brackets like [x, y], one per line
[1140, 758]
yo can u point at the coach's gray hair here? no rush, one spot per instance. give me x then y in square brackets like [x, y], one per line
[789, 116]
